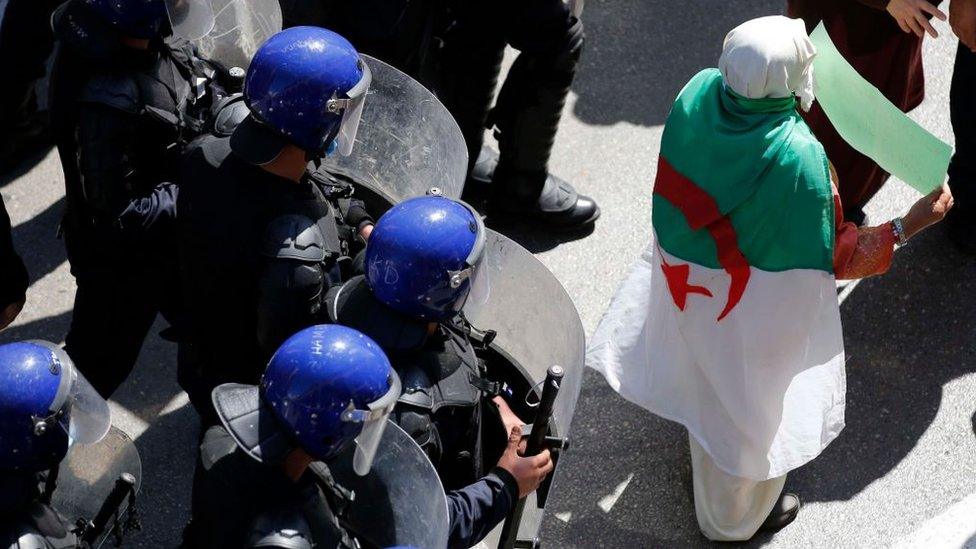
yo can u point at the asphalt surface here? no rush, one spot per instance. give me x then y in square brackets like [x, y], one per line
[903, 471]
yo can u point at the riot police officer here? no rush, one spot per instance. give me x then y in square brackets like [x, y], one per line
[13, 274]
[426, 260]
[455, 48]
[120, 96]
[260, 235]
[326, 396]
[46, 405]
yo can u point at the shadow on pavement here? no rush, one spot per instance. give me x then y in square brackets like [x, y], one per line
[25, 165]
[640, 54]
[534, 237]
[36, 240]
[907, 334]
[51, 328]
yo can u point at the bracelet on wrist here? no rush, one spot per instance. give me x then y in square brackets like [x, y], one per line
[898, 228]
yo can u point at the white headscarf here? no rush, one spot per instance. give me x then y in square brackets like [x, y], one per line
[769, 57]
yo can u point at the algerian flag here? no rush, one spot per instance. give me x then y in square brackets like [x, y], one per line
[729, 323]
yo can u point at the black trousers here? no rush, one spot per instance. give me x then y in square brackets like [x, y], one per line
[526, 114]
[121, 290]
[26, 41]
[962, 108]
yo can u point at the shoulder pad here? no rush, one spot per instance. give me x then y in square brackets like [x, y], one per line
[116, 91]
[417, 388]
[30, 540]
[294, 237]
[229, 113]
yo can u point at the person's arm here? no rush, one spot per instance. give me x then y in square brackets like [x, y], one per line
[477, 509]
[105, 137]
[354, 215]
[860, 252]
[13, 274]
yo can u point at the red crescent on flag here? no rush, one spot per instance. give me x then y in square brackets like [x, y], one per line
[702, 212]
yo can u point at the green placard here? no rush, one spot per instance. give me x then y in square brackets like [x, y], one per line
[872, 124]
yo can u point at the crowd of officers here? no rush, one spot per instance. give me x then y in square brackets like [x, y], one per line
[214, 221]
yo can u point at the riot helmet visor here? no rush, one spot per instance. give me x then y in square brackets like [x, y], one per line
[89, 413]
[373, 421]
[476, 271]
[352, 111]
[190, 19]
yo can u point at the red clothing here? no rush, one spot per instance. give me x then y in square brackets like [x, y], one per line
[860, 252]
[885, 56]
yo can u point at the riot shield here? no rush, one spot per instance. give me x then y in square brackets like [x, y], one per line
[88, 483]
[240, 27]
[401, 501]
[407, 142]
[537, 326]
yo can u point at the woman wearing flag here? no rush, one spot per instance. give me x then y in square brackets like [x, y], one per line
[729, 322]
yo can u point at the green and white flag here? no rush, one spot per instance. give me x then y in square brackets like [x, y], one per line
[729, 323]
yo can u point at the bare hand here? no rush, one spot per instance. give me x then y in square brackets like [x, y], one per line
[962, 18]
[929, 210]
[910, 16]
[9, 313]
[529, 472]
[509, 419]
[366, 231]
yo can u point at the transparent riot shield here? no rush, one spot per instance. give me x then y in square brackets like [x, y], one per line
[240, 27]
[407, 142]
[537, 326]
[401, 502]
[97, 483]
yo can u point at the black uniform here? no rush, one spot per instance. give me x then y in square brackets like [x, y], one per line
[26, 42]
[455, 48]
[961, 220]
[120, 121]
[257, 254]
[442, 405]
[13, 275]
[24, 519]
[231, 490]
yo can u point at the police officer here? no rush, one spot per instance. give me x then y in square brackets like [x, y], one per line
[526, 115]
[425, 261]
[261, 237]
[46, 405]
[13, 274]
[327, 388]
[120, 95]
[455, 48]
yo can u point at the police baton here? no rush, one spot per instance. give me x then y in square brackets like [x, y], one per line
[535, 444]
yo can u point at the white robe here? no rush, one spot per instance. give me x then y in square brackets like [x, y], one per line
[762, 391]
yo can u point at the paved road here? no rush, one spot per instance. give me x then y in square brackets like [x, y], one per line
[903, 471]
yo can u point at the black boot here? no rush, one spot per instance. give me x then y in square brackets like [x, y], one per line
[558, 205]
[525, 119]
[783, 513]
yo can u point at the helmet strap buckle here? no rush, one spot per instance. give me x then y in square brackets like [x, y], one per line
[458, 277]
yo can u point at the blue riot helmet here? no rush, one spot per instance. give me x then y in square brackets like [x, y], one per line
[427, 258]
[46, 405]
[306, 86]
[325, 388]
[190, 19]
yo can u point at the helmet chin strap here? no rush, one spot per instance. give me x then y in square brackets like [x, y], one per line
[317, 160]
